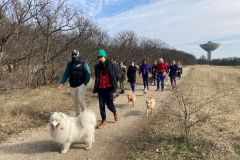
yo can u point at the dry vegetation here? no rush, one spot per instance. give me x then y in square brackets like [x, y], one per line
[31, 108]
[217, 137]
[37, 36]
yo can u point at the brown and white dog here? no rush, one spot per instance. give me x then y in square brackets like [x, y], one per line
[151, 102]
[131, 98]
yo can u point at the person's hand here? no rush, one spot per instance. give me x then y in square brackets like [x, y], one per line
[60, 86]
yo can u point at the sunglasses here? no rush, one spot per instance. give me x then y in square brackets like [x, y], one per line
[74, 54]
[99, 57]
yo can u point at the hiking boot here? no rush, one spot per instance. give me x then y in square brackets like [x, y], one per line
[115, 117]
[102, 125]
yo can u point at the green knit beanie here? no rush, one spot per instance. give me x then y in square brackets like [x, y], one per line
[102, 53]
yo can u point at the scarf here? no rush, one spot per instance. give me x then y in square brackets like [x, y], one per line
[104, 67]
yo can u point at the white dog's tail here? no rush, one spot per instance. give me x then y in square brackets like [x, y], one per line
[88, 117]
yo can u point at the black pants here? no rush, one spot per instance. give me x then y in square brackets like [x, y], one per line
[105, 97]
[145, 80]
[173, 81]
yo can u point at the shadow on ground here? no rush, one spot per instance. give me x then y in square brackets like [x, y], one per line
[31, 147]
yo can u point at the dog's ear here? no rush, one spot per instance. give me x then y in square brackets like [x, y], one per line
[62, 115]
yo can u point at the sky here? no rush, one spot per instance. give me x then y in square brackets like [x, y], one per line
[182, 24]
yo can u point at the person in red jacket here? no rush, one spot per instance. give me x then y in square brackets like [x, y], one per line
[161, 73]
[106, 78]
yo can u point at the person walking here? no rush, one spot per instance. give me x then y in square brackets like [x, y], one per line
[161, 73]
[180, 70]
[122, 72]
[131, 74]
[154, 72]
[78, 73]
[173, 68]
[105, 85]
[145, 70]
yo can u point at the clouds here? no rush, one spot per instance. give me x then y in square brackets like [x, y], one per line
[173, 20]
[92, 7]
[183, 24]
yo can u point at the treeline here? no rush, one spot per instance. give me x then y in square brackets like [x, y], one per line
[37, 36]
[231, 61]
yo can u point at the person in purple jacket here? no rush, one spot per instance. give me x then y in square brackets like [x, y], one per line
[145, 70]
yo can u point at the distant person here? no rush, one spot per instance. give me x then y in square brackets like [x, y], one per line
[78, 73]
[105, 85]
[173, 68]
[167, 64]
[145, 70]
[122, 72]
[180, 70]
[154, 72]
[131, 74]
[161, 73]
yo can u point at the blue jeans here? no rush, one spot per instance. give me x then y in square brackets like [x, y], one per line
[145, 80]
[160, 79]
[133, 84]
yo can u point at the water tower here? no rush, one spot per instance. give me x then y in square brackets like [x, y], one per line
[209, 47]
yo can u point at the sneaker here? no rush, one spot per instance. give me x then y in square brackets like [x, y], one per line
[102, 125]
[115, 117]
[157, 89]
[144, 92]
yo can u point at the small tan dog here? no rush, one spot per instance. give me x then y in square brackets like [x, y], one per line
[131, 98]
[150, 104]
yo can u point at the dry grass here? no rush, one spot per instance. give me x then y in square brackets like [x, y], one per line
[24, 109]
[217, 138]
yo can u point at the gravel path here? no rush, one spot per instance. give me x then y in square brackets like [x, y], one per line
[111, 142]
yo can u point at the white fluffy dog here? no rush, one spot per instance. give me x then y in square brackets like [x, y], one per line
[66, 130]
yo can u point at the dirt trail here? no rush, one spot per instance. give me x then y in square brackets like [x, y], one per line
[111, 143]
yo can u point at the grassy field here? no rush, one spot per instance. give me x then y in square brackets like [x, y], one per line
[216, 137]
[217, 91]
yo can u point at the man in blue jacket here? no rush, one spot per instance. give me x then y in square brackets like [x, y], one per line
[78, 73]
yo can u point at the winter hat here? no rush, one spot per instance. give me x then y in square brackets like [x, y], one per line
[101, 52]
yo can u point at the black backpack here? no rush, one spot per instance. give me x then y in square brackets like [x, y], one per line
[76, 73]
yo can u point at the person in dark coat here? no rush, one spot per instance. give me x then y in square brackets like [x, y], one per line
[173, 68]
[180, 70]
[131, 74]
[106, 78]
[122, 72]
[154, 72]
